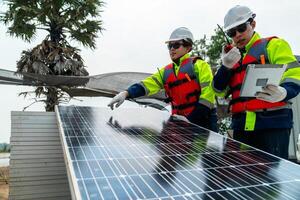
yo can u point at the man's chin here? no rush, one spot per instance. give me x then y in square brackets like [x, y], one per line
[174, 57]
[241, 44]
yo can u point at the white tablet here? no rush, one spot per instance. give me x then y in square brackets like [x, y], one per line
[258, 76]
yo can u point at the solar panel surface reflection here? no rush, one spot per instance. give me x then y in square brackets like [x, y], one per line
[140, 153]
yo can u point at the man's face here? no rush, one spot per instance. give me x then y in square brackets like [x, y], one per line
[242, 34]
[177, 50]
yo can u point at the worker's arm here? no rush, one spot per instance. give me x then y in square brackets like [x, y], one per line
[207, 97]
[148, 86]
[292, 90]
[205, 77]
[279, 52]
[221, 80]
[136, 90]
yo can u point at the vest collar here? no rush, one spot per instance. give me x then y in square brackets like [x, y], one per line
[254, 38]
[181, 59]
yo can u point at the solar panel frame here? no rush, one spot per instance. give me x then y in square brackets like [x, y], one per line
[235, 186]
[74, 188]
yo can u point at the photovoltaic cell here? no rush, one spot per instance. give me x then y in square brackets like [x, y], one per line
[140, 153]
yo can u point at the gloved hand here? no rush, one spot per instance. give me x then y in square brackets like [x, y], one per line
[180, 117]
[230, 58]
[118, 99]
[272, 93]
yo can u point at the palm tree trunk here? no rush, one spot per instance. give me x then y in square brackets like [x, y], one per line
[52, 99]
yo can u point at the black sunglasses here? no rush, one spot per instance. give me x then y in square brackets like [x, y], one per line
[174, 45]
[240, 28]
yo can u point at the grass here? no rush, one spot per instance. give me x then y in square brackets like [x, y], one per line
[4, 180]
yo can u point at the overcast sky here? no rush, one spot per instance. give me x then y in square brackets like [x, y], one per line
[133, 40]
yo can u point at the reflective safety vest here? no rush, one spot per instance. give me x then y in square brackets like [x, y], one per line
[242, 104]
[184, 89]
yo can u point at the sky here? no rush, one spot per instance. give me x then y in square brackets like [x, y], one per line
[134, 36]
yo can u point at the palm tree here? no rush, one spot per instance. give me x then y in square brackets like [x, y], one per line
[62, 19]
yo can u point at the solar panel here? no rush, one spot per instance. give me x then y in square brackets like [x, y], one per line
[137, 153]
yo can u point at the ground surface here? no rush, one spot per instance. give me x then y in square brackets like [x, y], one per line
[4, 186]
[4, 191]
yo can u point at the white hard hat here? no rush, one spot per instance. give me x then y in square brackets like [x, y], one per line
[237, 16]
[181, 33]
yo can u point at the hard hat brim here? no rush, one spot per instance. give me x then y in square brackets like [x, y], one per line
[253, 15]
[173, 40]
[234, 25]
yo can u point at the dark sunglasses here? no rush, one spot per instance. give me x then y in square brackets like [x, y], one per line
[174, 45]
[240, 28]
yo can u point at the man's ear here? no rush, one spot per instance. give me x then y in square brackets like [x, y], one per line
[253, 24]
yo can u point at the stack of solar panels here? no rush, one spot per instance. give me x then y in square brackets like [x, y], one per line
[139, 153]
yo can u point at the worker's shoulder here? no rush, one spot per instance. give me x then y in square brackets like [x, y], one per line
[279, 45]
[196, 58]
[277, 41]
[198, 61]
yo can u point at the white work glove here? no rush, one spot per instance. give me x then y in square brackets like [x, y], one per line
[230, 58]
[118, 99]
[180, 117]
[272, 93]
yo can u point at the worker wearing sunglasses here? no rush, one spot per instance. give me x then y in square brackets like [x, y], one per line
[240, 28]
[178, 48]
[186, 81]
[264, 121]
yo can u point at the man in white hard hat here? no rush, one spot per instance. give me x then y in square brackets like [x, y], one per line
[263, 121]
[186, 81]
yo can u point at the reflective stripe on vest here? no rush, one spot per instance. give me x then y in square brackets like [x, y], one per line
[239, 104]
[183, 89]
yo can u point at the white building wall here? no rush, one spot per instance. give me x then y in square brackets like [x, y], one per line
[37, 167]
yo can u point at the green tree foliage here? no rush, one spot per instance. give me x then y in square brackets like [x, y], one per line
[200, 48]
[63, 20]
[210, 49]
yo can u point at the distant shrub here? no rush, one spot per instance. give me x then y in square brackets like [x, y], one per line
[4, 147]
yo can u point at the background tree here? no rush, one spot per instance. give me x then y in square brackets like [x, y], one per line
[210, 50]
[76, 20]
[200, 48]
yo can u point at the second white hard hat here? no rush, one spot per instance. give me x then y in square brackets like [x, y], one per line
[237, 16]
[181, 33]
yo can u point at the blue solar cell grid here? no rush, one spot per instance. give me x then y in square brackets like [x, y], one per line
[145, 154]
